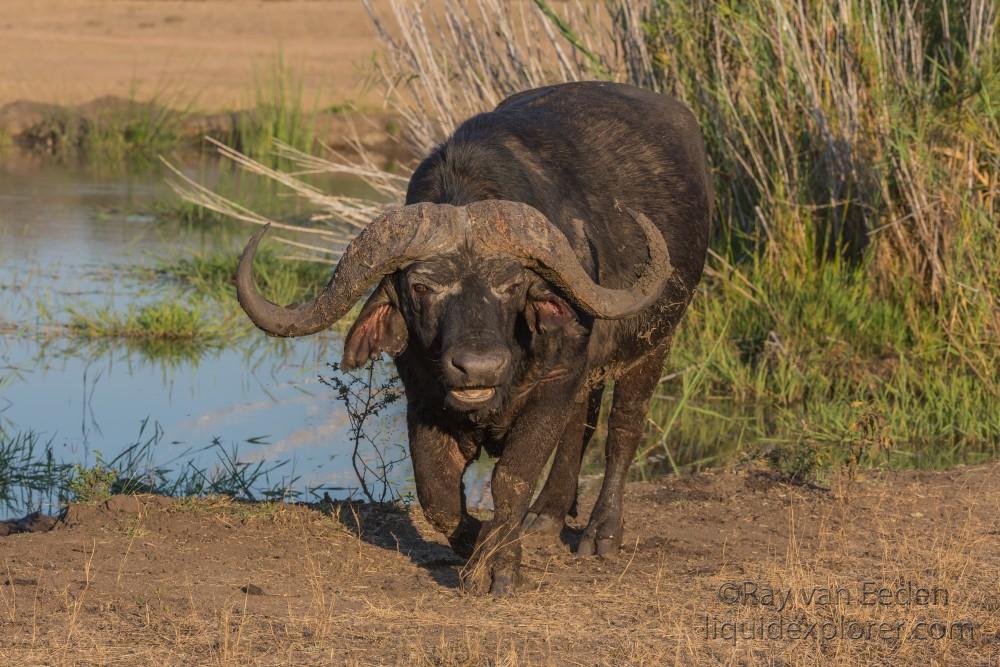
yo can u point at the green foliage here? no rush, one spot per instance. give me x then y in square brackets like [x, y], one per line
[142, 127]
[177, 209]
[850, 313]
[136, 130]
[199, 312]
[278, 113]
[797, 463]
[110, 130]
[211, 275]
[825, 365]
[168, 320]
[207, 313]
[92, 484]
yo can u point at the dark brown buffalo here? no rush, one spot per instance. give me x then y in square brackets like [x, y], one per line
[545, 249]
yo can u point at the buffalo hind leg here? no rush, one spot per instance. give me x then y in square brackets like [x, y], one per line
[438, 465]
[626, 422]
[557, 499]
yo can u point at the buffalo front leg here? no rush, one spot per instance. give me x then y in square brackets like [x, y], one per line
[557, 499]
[495, 563]
[438, 465]
[626, 422]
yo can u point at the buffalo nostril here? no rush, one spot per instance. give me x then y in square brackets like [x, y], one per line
[480, 366]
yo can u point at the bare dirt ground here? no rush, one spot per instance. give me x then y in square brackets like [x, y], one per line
[173, 582]
[204, 53]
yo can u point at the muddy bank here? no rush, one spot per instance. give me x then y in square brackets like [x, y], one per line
[185, 582]
[55, 130]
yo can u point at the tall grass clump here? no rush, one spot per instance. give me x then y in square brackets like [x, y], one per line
[131, 130]
[170, 330]
[849, 312]
[277, 113]
[211, 276]
[168, 320]
[855, 146]
[111, 130]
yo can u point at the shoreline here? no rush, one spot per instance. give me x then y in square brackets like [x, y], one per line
[60, 131]
[213, 579]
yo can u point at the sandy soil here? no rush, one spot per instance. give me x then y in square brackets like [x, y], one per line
[71, 51]
[141, 579]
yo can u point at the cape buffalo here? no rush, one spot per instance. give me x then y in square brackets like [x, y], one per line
[545, 249]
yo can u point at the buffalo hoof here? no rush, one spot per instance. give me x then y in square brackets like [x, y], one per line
[591, 546]
[601, 538]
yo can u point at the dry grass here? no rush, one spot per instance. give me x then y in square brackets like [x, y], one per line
[354, 585]
[437, 69]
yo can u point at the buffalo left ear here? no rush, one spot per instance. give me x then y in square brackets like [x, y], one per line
[379, 328]
[547, 313]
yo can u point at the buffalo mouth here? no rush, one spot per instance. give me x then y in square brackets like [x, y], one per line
[473, 394]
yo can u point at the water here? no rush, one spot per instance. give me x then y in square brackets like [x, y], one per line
[70, 238]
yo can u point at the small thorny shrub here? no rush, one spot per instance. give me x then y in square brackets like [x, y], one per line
[365, 397]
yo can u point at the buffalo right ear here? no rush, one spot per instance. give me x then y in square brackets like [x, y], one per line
[379, 328]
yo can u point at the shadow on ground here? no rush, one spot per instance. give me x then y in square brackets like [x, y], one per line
[392, 528]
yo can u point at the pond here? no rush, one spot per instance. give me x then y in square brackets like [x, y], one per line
[72, 239]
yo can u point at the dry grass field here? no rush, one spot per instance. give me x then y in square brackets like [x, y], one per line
[204, 54]
[147, 580]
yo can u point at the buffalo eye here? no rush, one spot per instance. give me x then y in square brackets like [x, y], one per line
[420, 288]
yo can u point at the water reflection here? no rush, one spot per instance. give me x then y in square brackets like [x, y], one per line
[72, 240]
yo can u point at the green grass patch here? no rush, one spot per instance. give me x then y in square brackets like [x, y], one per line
[92, 484]
[170, 330]
[278, 113]
[211, 276]
[201, 312]
[168, 321]
[141, 127]
[110, 130]
[135, 130]
[204, 313]
[813, 371]
[179, 210]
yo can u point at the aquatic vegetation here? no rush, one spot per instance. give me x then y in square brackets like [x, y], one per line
[277, 113]
[204, 311]
[817, 368]
[110, 130]
[208, 278]
[141, 126]
[133, 129]
[168, 320]
[33, 475]
[211, 275]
